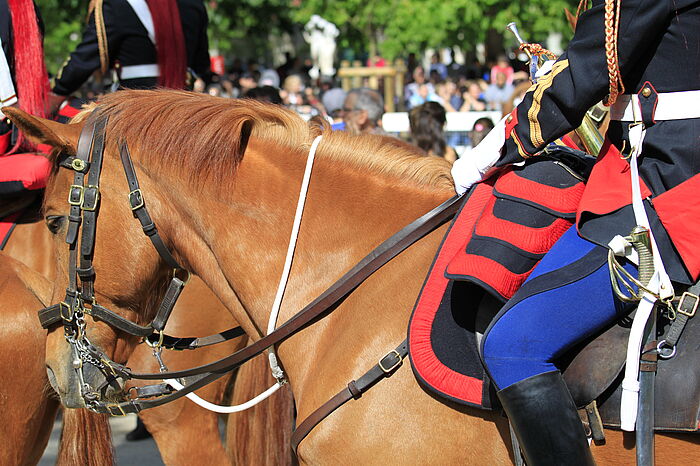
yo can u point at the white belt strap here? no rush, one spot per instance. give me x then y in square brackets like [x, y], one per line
[659, 283]
[139, 71]
[140, 7]
[8, 95]
[669, 106]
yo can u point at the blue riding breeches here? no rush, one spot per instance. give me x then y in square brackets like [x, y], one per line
[567, 298]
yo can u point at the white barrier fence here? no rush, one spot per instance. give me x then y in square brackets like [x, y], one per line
[457, 122]
[457, 129]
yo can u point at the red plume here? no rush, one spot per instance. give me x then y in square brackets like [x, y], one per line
[170, 43]
[30, 71]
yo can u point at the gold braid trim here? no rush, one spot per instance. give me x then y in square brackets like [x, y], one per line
[537, 92]
[96, 7]
[612, 26]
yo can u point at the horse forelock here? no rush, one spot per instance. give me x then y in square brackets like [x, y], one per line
[205, 137]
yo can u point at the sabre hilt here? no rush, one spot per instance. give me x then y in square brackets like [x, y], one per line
[514, 29]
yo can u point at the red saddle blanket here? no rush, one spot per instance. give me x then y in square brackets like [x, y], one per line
[23, 172]
[504, 228]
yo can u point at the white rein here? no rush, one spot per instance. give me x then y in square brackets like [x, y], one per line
[277, 372]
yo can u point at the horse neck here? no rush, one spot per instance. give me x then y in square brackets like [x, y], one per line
[31, 243]
[242, 233]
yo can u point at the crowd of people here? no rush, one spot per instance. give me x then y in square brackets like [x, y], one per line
[428, 97]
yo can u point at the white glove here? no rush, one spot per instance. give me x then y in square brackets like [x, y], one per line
[472, 167]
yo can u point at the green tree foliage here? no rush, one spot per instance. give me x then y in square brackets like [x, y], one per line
[63, 23]
[396, 27]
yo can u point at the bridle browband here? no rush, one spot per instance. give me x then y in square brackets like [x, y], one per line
[84, 202]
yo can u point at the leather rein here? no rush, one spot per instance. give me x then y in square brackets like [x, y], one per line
[84, 200]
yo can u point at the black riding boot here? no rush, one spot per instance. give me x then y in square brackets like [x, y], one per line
[544, 417]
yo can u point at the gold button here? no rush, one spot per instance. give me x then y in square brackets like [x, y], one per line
[646, 92]
[509, 119]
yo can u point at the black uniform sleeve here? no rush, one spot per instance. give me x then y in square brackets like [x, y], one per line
[579, 79]
[85, 59]
[202, 64]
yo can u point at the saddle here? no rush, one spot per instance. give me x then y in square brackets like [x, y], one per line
[504, 228]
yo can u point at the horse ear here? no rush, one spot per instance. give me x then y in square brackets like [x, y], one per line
[43, 131]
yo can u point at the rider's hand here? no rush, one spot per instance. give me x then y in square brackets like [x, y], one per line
[474, 165]
[54, 103]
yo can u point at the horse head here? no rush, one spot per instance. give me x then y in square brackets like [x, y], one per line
[128, 275]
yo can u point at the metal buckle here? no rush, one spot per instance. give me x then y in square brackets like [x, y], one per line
[694, 307]
[398, 362]
[78, 164]
[89, 189]
[79, 201]
[136, 199]
[67, 316]
[113, 413]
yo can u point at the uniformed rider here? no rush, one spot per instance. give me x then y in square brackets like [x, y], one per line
[146, 43]
[653, 50]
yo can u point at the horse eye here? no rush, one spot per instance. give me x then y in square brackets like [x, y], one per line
[55, 222]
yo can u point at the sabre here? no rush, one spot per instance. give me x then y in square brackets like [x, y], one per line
[512, 27]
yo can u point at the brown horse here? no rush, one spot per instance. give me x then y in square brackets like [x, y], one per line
[225, 208]
[28, 411]
[184, 432]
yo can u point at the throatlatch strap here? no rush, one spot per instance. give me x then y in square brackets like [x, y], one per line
[167, 305]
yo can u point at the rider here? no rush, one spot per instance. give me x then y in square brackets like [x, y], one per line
[569, 296]
[124, 35]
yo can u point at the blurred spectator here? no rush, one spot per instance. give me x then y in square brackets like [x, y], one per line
[413, 87]
[333, 102]
[292, 90]
[516, 97]
[482, 127]
[444, 92]
[199, 85]
[425, 94]
[311, 99]
[498, 92]
[362, 111]
[229, 90]
[265, 93]
[473, 100]
[269, 78]
[436, 66]
[502, 66]
[215, 90]
[246, 82]
[427, 123]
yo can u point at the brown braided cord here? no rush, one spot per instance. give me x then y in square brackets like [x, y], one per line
[536, 50]
[96, 7]
[612, 25]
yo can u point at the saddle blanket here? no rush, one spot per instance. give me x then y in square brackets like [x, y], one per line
[504, 228]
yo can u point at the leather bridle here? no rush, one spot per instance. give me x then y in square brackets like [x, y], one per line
[84, 200]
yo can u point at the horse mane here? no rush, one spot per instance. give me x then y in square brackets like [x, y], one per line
[205, 137]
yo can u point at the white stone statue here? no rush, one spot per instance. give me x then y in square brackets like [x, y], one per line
[321, 34]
